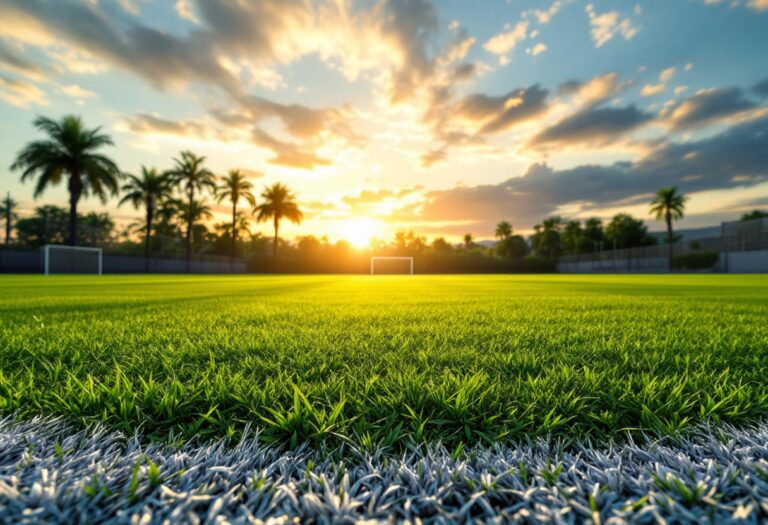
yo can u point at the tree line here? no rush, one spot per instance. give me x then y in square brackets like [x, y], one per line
[71, 153]
[175, 206]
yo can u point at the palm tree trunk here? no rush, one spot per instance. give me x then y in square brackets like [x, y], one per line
[234, 229]
[189, 229]
[147, 241]
[670, 249]
[274, 244]
[75, 188]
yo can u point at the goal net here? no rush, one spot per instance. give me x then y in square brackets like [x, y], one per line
[71, 259]
[391, 265]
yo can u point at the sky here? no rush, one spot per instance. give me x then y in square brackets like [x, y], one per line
[444, 117]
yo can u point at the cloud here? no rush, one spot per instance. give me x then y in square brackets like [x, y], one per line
[374, 197]
[545, 16]
[592, 126]
[20, 93]
[650, 90]
[75, 91]
[761, 88]
[707, 107]
[755, 5]
[12, 59]
[288, 154]
[145, 124]
[758, 5]
[186, 11]
[538, 49]
[667, 74]
[499, 113]
[595, 91]
[609, 24]
[506, 41]
[736, 157]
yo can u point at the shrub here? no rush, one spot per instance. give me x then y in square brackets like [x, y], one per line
[695, 261]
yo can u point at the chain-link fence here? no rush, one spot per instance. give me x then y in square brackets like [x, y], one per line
[736, 240]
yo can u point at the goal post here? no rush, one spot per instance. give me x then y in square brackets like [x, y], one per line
[58, 258]
[374, 259]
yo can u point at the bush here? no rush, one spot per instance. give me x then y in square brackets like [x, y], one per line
[695, 261]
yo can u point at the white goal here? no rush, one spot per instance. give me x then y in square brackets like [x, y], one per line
[374, 259]
[71, 259]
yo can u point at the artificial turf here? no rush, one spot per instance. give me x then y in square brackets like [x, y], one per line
[384, 361]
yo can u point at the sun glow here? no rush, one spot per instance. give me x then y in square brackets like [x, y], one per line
[360, 232]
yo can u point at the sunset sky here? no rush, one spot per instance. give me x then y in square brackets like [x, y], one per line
[443, 117]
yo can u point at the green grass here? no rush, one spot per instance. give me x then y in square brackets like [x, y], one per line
[386, 360]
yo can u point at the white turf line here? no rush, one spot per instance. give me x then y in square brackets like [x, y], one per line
[50, 473]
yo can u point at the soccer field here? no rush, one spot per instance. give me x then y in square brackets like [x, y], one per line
[384, 361]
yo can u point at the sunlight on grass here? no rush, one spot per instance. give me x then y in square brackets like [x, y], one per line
[386, 360]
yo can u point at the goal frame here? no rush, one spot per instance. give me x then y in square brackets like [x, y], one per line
[47, 255]
[381, 258]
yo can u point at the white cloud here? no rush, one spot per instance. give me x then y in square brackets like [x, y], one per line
[538, 49]
[607, 25]
[75, 91]
[650, 90]
[545, 16]
[506, 41]
[185, 10]
[667, 74]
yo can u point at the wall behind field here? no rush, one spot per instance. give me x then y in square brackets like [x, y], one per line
[14, 261]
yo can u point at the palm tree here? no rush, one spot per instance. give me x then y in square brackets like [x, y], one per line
[469, 241]
[192, 212]
[191, 176]
[7, 212]
[503, 230]
[279, 203]
[69, 151]
[668, 206]
[234, 187]
[148, 190]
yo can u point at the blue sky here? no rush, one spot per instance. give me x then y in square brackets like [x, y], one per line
[444, 117]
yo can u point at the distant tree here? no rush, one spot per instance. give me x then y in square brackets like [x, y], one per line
[70, 151]
[8, 213]
[669, 205]
[147, 191]
[469, 241]
[95, 229]
[573, 238]
[278, 203]
[47, 225]
[441, 246]
[513, 247]
[594, 234]
[407, 242]
[191, 176]
[624, 231]
[308, 245]
[503, 230]
[503, 233]
[190, 213]
[234, 186]
[755, 214]
[546, 237]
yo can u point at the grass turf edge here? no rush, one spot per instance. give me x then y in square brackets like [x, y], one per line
[52, 472]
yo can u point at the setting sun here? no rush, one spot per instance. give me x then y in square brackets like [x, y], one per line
[360, 232]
